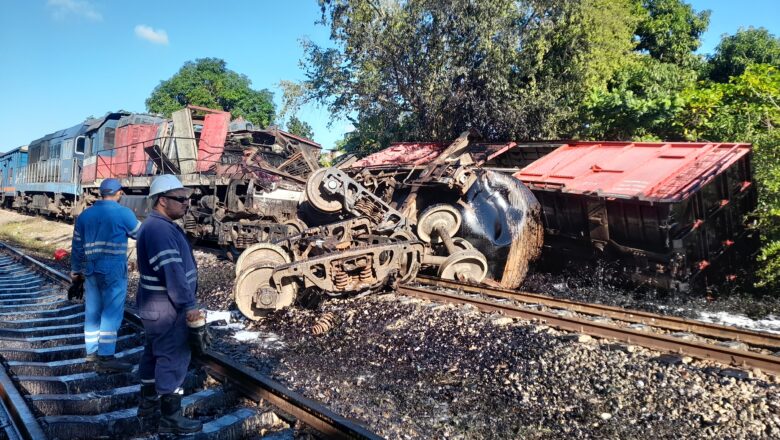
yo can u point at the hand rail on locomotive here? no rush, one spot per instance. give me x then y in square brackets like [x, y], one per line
[126, 161]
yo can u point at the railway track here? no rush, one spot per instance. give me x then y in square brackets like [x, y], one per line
[48, 391]
[727, 345]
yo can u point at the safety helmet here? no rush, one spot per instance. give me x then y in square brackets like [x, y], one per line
[109, 187]
[163, 184]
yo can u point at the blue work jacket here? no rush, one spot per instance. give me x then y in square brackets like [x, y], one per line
[166, 264]
[100, 238]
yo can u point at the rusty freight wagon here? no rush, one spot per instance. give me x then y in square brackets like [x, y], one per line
[669, 211]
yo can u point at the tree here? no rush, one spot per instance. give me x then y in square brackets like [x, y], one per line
[642, 98]
[209, 83]
[640, 103]
[736, 52]
[427, 70]
[300, 128]
[671, 30]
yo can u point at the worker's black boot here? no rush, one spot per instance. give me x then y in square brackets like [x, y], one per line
[110, 364]
[172, 421]
[149, 402]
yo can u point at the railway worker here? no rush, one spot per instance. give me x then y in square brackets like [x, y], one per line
[99, 254]
[166, 301]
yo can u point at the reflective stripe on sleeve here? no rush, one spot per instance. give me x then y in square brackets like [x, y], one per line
[165, 252]
[164, 262]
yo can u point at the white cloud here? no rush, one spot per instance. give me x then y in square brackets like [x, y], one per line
[156, 36]
[62, 9]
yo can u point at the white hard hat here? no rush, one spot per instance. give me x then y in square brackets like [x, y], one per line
[163, 184]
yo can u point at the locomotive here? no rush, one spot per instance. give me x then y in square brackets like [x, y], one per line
[247, 182]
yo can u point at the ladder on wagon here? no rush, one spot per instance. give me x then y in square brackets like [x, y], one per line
[690, 177]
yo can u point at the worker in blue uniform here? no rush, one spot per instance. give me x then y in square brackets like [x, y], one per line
[166, 302]
[99, 254]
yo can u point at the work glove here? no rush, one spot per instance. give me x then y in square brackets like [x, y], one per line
[199, 335]
[76, 289]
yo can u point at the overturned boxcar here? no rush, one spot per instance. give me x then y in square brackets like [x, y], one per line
[671, 213]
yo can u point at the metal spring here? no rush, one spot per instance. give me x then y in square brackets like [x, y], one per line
[341, 279]
[367, 207]
[324, 323]
[366, 274]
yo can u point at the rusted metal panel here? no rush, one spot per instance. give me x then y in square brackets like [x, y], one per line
[182, 149]
[643, 170]
[212, 139]
[132, 135]
[403, 153]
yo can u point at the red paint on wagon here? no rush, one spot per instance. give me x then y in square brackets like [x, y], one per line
[641, 170]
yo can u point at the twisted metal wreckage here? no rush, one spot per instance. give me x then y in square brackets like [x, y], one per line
[380, 226]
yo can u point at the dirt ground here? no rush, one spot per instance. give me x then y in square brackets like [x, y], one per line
[37, 235]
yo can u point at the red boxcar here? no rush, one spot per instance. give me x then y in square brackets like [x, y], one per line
[668, 210]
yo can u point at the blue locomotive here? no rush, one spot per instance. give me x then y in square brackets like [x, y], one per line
[44, 176]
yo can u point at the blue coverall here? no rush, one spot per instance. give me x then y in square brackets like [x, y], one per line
[99, 252]
[166, 292]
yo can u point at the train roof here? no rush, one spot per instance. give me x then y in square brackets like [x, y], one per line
[420, 153]
[96, 123]
[22, 149]
[631, 170]
[66, 133]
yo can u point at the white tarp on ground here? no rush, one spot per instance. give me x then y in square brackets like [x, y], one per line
[769, 324]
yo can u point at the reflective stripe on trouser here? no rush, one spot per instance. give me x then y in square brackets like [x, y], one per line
[103, 309]
[166, 356]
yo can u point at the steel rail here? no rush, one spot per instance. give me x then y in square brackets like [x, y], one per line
[709, 330]
[249, 382]
[259, 387]
[650, 340]
[25, 424]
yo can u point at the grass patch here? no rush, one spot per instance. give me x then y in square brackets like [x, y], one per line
[34, 235]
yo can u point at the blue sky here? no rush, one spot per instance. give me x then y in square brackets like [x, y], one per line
[64, 60]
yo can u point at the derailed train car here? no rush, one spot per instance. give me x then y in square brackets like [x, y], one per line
[376, 226]
[672, 213]
[482, 212]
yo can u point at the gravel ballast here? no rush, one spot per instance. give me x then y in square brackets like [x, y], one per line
[416, 370]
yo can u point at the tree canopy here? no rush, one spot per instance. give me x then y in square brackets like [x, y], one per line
[424, 69]
[207, 82]
[736, 52]
[300, 128]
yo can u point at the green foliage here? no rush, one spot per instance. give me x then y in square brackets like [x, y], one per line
[736, 52]
[300, 128]
[207, 82]
[427, 70]
[744, 109]
[671, 30]
[640, 102]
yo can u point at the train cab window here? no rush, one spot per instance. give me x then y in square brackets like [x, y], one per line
[108, 139]
[44, 153]
[80, 144]
[55, 151]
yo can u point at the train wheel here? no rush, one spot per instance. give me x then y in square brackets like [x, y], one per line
[317, 198]
[255, 294]
[444, 217]
[462, 243]
[294, 226]
[261, 252]
[468, 265]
